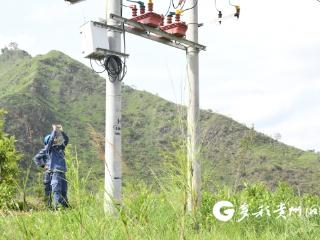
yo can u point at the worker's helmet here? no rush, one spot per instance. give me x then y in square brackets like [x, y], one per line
[46, 139]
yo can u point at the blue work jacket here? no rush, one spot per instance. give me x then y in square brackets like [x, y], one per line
[56, 158]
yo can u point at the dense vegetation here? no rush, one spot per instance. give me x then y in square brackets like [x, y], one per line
[9, 159]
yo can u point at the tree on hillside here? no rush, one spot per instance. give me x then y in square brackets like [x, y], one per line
[9, 158]
[13, 46]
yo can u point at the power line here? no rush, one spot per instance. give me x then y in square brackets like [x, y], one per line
[175, 7]
[184, 3]
[190, 8]
[126, 6]
[124, 49]
[219, 11]
[215, 4]
[100, 64]
[168, 8]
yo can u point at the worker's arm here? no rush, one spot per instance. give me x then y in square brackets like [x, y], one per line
[65, 139]
[52, 137]
[40, 158]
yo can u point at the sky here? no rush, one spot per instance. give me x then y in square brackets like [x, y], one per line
[262, 70]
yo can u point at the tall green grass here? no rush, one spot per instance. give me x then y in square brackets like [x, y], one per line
[150, 215]
[158, 212]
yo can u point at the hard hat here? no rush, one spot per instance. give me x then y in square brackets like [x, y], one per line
[46, 139]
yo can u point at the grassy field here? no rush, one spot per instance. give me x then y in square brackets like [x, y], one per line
[149, 215]
[158, 212]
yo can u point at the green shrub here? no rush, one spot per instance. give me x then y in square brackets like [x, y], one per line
[9, 158]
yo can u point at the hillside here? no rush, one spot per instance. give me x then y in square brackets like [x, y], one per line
[50, 88]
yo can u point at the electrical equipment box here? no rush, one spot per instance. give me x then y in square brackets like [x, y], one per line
[94, 40]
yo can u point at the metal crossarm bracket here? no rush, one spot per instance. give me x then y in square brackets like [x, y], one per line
[141, 34]
[155, 34]
[101, 53]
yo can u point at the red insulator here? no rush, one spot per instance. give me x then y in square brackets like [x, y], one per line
[177, 19]
[150, 7]
[134, 10]
[162, 20]
[169, 19]
[142, 9]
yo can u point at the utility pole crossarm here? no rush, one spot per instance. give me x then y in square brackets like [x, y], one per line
[159, 33]
[139, 33]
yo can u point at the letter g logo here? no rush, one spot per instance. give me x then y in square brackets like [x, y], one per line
[227, 214]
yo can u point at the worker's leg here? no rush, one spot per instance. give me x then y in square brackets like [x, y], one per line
[56, 188]
[47, 188]
[64, 189]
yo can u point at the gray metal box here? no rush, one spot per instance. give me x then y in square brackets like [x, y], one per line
[94, 40]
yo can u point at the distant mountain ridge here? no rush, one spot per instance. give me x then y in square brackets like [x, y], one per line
[38, 91]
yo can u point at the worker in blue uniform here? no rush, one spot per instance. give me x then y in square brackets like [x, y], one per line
[57, 165]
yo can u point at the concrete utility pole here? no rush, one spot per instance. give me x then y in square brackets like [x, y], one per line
[113, 154]
[194, 167]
